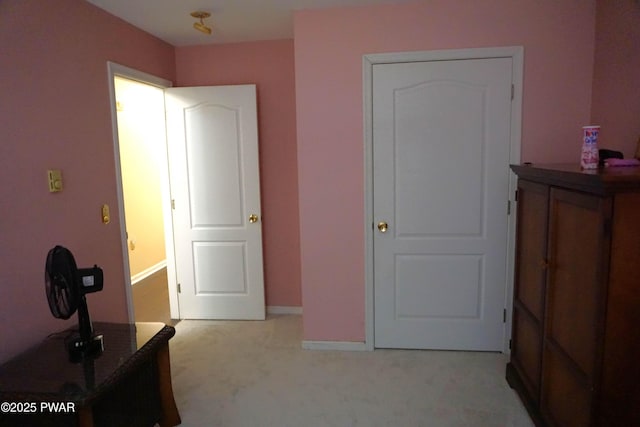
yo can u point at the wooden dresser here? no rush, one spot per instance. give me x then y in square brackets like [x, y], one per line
[575, 349]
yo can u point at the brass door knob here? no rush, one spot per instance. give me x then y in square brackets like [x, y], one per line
[383, 226]
[253, 218]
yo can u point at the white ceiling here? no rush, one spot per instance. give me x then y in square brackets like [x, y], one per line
[231, 20]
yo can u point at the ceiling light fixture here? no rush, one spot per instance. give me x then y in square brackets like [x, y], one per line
[200, 25]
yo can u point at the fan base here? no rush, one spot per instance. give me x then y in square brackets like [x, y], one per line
[80, 349]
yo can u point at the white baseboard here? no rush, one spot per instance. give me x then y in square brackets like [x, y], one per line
[334, 345]
[279, 309]
[148, 272]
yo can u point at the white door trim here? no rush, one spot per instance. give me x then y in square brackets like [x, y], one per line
[368, 61]
[113, 70]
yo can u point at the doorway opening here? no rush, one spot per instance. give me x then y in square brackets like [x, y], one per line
[141, 137]
[212, 227]
[143, 194]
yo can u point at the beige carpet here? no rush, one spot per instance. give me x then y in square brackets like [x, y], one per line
[252, 374]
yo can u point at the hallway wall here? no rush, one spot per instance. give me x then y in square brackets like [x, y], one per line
[142, 141]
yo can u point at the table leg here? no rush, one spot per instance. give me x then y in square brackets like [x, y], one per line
[85, 416]
[170, 416]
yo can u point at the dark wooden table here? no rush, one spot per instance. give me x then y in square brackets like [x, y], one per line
[129, 384]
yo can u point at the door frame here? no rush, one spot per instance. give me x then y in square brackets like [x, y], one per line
[516, 53]
[113, 70]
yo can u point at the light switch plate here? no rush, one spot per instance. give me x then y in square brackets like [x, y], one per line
[55, 180]
[106, 216]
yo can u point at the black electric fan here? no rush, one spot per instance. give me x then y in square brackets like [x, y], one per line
[66, 287]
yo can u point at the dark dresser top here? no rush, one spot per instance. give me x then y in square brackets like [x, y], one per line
[603, 181]
[44, 372]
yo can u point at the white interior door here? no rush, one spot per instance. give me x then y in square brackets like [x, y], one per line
[441, 137]
[213, 160]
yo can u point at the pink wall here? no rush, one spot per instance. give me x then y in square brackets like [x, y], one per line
[269, 65]
[558, 38]
[55, 114]
[616, 84]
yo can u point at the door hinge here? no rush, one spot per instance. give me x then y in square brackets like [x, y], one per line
[510, 343]
[504, 315]
[179, 288]
[513, 91]
[516, 196]
[173, 204]
[508, 207]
